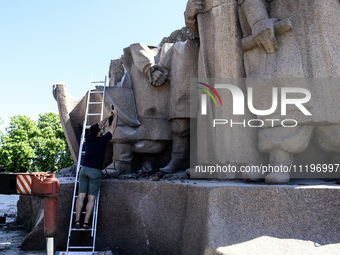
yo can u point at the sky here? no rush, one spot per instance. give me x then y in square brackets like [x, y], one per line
[45, 42]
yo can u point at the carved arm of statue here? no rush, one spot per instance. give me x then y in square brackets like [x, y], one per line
[262, 26]
[193, 8]
[144, 58]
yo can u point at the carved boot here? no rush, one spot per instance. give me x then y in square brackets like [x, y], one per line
[179, 156]
[278, 159]
[122, 157]
[277, 178]
[255, 175]
[148, 164]
[282, 144]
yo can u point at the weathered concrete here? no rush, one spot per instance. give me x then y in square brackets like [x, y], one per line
[206, 217]
[30, 208]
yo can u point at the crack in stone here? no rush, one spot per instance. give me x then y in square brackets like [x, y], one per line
[142, 216]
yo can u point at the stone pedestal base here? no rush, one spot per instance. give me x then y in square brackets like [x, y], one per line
[207, 217]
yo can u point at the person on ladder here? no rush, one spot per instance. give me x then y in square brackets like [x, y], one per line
[90, 175]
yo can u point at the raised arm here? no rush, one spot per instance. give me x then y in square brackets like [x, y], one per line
[102, 122]
[114, 121]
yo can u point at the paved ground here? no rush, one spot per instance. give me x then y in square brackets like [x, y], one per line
[11, 235]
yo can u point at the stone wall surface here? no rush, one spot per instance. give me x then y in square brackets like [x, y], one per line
[204, 217]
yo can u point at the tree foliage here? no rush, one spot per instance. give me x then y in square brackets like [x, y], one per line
[52, 152]
[34, 146]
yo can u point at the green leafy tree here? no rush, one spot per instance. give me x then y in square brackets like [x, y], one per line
[17, 145]
[52, 152]
[34, 146]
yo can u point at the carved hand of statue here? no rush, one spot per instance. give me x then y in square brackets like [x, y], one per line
[158, 75]
[193, 8]
[263, 32]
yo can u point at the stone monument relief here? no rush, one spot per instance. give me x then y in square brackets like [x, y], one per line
[149, 86]
[248, 84]
[271, 43]
[263, 45]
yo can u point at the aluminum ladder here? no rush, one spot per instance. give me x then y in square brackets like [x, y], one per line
[92, 115]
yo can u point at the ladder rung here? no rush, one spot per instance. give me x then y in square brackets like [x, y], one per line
[96, 92]
[97, 81]
[78, 252]
[81, 229]
[95, 102]
[80, 247]
[94, 114]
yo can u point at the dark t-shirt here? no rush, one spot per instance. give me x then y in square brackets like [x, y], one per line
[95, 148]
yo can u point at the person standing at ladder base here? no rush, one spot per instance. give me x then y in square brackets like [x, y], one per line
[90, 175]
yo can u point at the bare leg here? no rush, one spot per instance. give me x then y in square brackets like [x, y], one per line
[79, 205]
[89, 208]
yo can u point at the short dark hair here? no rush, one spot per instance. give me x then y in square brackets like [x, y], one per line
[94, 129]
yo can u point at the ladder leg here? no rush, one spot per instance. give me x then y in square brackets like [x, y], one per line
[93, 229]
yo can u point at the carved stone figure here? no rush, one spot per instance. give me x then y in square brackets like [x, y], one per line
[151, 106]
[156, 72]
[181, 61]
[220, 58]
[150, 89]
[257, 44]
[308, 50]
[72, 112]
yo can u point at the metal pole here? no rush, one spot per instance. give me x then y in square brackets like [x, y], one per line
[50, 216]
[50, 189]
[50, 247]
